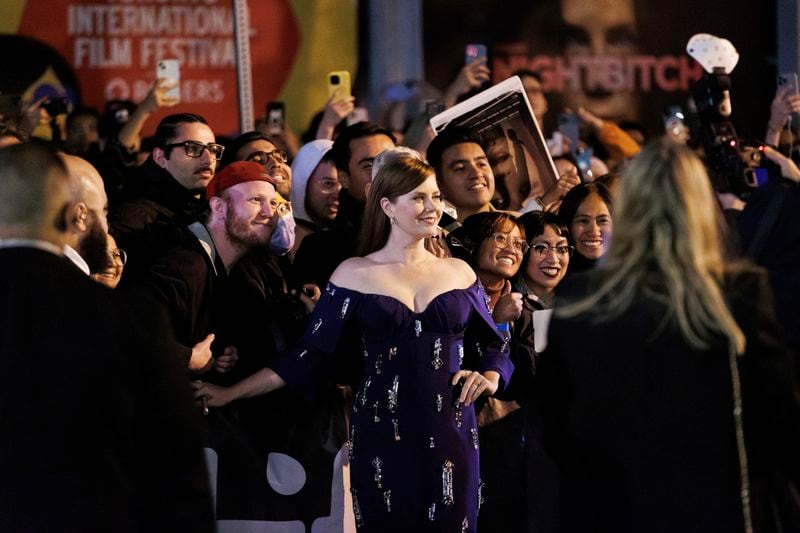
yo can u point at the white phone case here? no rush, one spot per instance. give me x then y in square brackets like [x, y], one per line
[171, 70]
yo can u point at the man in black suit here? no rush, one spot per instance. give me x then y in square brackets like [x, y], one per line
[97, 429]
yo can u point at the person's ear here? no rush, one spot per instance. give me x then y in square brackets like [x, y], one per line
[219, 208]
[159, 156]
[344, 177]
[387, 207]
[79, 217]
[367, 188]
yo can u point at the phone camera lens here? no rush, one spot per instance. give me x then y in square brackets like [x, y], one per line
[335, 79]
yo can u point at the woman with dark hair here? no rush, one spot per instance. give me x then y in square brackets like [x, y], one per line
[670, 405]
[429, 349]
[586, 212]
[545, 264]
[496, 244]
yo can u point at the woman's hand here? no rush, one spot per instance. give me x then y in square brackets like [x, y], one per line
[508, 307]
[475, 384]
[211, 395]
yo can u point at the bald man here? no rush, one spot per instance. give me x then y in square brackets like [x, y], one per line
[98, 429]
[87, 222]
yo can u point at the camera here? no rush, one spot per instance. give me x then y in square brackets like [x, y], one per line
[711, 95]
[335, 79]
[58, 105]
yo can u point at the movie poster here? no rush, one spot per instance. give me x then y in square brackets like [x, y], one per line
[621, 59]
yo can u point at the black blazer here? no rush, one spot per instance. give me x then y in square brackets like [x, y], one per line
[97, 428]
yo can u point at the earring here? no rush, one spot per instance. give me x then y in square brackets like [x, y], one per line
[391, 221]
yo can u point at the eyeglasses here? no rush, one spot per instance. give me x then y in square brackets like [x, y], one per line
[543, 249]
[263, 157]
[118, 257]
[503, 241]
[195, 148]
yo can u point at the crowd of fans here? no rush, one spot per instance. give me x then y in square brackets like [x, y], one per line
[219, 249]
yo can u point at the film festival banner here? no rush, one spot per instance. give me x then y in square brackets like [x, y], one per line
[94, 51]
[502, 117]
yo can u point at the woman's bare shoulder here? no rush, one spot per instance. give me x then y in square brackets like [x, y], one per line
[350, 271]
[458, 269]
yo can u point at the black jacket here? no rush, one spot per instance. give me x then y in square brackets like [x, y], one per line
[151, 198]
[98, 428]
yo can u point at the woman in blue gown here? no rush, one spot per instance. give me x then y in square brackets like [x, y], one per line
[428, 348]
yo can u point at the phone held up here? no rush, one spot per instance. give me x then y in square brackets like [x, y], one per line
[276, 117]
[473, 52]
[339, 85]
[170, 69]
[788, 79]
[569, 126]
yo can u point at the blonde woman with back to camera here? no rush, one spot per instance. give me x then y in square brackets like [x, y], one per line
[427, 349]
[670, 404]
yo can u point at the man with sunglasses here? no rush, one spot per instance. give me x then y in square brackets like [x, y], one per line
[168, 187]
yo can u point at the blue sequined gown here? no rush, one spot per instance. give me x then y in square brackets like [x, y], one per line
[413, 449]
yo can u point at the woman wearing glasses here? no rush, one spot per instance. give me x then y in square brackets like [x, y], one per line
[670, 405]
[546, 263]
[495, 245]
[115, 263]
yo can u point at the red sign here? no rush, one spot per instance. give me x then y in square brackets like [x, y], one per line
[114, 46]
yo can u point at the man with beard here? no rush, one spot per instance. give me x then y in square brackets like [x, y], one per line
[86, 217]
[189, 273]
[169, 186]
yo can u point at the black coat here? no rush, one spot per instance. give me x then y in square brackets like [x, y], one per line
[642, 424]
[182, 282]
[97, 428]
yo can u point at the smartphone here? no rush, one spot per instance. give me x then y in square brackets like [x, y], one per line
[276, 118]
[569, 126]
[433, 108]
[474, 51]
[171, 70]
[790, 79]
[583, 157]
[339, 85]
